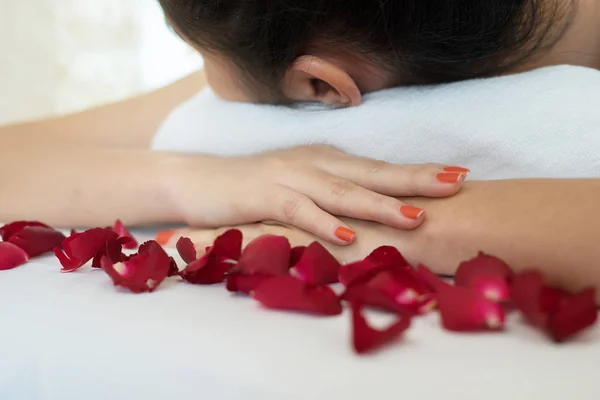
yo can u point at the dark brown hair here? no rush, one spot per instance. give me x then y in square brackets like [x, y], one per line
[424, 41]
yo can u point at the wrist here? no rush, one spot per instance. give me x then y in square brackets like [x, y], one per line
[180, 176]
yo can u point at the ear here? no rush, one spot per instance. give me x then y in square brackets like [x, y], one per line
[311, 78]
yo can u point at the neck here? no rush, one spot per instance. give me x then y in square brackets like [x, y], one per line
[580, 44]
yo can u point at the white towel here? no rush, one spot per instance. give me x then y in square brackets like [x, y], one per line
[544, 123]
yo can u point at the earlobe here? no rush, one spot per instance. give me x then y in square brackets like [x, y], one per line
[311, 78]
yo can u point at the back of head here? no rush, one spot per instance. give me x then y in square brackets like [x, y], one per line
[420, 41]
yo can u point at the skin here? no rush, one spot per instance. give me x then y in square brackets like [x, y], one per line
[490, 216]
[515, 220]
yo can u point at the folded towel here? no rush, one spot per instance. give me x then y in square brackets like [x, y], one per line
[544, 123]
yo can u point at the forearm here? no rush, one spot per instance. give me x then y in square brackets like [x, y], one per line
[552, 225]
[75, 187]
[127, 124]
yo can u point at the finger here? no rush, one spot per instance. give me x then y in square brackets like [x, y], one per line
[428, 180]
[296, 209]
[170, 238]
[206, 237]
[345, 198]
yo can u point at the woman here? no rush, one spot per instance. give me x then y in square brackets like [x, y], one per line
[331, 51]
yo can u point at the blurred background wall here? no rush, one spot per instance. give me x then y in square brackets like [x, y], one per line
[59, 56]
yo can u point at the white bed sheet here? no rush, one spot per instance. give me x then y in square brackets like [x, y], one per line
[74, 336]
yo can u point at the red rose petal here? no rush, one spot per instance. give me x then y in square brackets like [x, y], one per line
[289, 293]
[8, 230]
[245, 283]
[434, 282]
[551, 299]
[187, 250]
[201, 272]
[143, 272]
[574, 314]
[113, 250]
[317, 266]
[11, 256]
[37, 240]
[122, 231]
[266, 255]
[214, 266]
[526, 292]
[388, 257]
[466, 310]
[556, 311]
[399, 291]
[403, 286]
[296, 254]
[366, 339]
[488, 275]
[363, 294]
[82, 247]
[173, 268]
[360, 270]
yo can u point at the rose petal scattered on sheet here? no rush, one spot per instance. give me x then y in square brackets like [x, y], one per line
[488, 275]
[266, 255]
[8, 230]
[218, 261]
[574, 314]
[142, 272]
[393, 290]
[366, 339]
[360, 270]
[289, 293]
[130, 242]
[37, 240]
[384, 279]
[11, 256]
[431, 279]
[317, 266]
[187, 250]
[296, 254]
[173, 268]
[559, 313]
[466, 310]
[388, 257]
[245, 283]
[82, 247]
[526, 292]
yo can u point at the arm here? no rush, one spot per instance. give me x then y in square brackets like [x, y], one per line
[553, 225]
[550, 225]
[128, 124]
[69, 186]
[91, 167]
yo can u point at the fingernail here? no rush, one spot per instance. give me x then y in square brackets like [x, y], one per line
[346, 234]
[457, 169]
[164, 237]
[411, 212]
[450, 177]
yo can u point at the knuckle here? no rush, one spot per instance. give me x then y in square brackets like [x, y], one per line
[275, 162]
[376, 166]
[341, 187]
[291, 207]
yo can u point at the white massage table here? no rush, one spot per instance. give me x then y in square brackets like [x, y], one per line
[75, 337]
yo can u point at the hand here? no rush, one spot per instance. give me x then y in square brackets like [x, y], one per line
[306, 187]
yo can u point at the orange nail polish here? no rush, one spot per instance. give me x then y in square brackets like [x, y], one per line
[457, 169]
[450, 177]
[411, 212]
[164, 237]
[347, 235]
